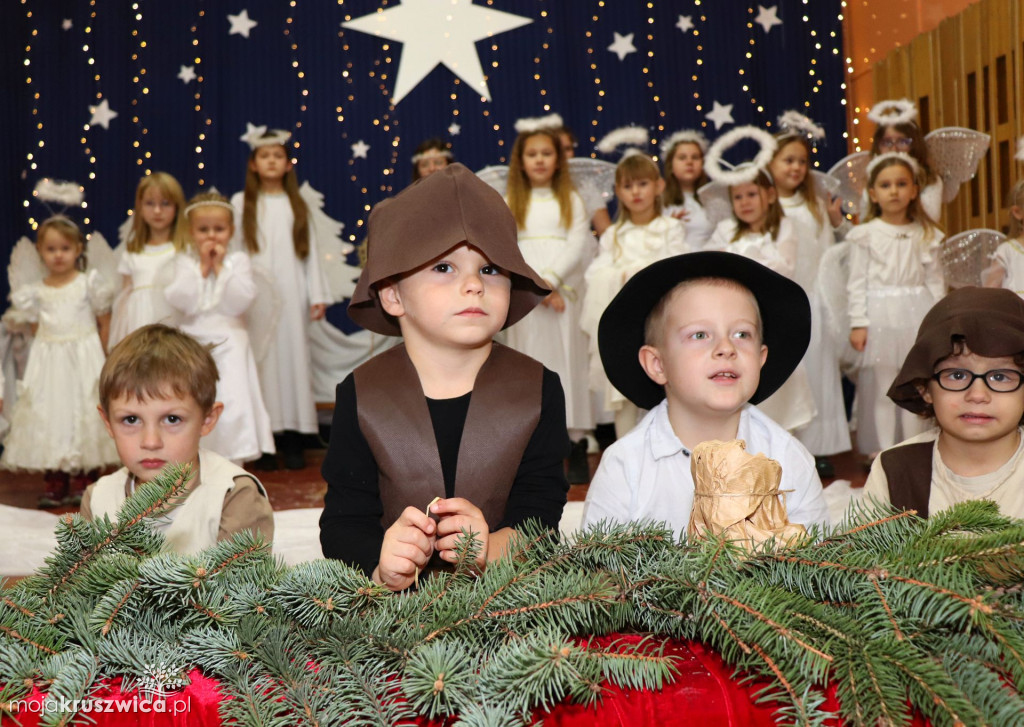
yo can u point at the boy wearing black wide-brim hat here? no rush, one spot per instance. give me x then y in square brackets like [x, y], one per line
[698, 339]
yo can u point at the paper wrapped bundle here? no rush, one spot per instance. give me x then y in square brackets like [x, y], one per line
[736, 495]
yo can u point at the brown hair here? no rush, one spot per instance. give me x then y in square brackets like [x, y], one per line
[169, 187]
[154, 359]
[66, 227]
[300, 212]
[914, 211]
[806, 187]
[1016, 199]
[774, 218]
[673, 193]
[632, 166]
[518, 192]
[918, 147]
[437, 144]
[653, 325]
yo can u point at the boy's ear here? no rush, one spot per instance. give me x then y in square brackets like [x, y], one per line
[390, 299]
[764, 354]
[922, 389]
[651, 363]
[210, 420]
[106, 420]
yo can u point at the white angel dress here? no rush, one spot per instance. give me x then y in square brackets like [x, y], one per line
[213, 312]
[829, 432]
[792, 406]
[1010, 257]
[560, 256]
[697, 224]
[624, 250]
[54, 423]
[895, 278]
[284, 372]
[143, 301]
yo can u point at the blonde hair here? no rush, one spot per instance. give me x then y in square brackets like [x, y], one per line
[66, 227]
[168, 186]
[154, 359]
[918, 147]
[775, 213]
[300, 212]
[673, 193]
[806, 187]
[915, 211]
[208, 199]
[1016, 198]
[653, 325]
[636, 165]
[519, 185]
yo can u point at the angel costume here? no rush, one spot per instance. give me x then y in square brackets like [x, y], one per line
[54, 423]
[895, 278]
[696, 223]
[285, 371]
[213, 311]
[1010, 257]
[792, 406]
[555, 339]
[828, 432]
[144, 302]
[624, 250]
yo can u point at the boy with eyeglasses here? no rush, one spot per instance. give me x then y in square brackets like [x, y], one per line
[965, 370]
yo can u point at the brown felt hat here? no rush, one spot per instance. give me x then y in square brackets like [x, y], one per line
[427, 219]
[990, 321]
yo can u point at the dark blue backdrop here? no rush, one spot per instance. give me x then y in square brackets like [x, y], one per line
[300, 69]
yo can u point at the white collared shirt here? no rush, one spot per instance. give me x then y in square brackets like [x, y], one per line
[646, 474]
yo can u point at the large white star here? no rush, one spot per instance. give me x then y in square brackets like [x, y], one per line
[767, 17]
[623, 45]
[66, 24]
[187, 73]
[102, 114]
[454, 129]
[241, 24]
[359, 149]
[685, 23]
[720, 114]
[432, 33]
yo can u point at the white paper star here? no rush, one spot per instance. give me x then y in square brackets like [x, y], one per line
[720, 114]
[187, 73]
[685, 23]
[767, 17]
[66, 25]
[623, 45]
[241, 24]
[359, 149]
[102, 114]
[454, 129]
[433, 33]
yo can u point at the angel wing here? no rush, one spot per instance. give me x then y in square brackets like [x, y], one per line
[955, 153]
[833, 274]
[495, 175]
[100, 257]
[825, 185]
[26, 266]
[124, 232]
[333, 250]
[594, 179]
[714, 196]
[851, 174]
[965, 257]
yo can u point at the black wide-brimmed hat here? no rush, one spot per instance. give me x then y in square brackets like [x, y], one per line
[785, 316]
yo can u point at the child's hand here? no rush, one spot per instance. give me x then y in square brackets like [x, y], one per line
[458, 514]
[858, 338]
[407, 547]
[317, 311]
[681, 214]
[554, 301]
[835, 211]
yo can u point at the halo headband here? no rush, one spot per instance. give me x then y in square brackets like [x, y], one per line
[747, 171]
[257, 136]
[530, 124]
[893, 112]
[635, 136]
[446, 153]
[794, 122]
[684, 136]
[210, 203]
[901, 156]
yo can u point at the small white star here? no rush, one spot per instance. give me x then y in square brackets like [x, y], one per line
[623, 45]
[187, 73]
[454, 129]
[241, 24]
[66, 25]
[102, 114]
[359, 149]
[685, 23]
[720, 114]
[767, 17]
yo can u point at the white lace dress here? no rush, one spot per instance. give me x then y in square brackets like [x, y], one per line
[144, 301]
[54, 423]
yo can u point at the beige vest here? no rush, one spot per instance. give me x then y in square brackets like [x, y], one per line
[393, 416]
[192, 526]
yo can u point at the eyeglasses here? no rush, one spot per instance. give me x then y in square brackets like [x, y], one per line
[1002, 381]
[903, 143]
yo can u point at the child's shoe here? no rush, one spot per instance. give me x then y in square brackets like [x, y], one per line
[826, 470]
[266, 463]
[292, 451]
[56, 489]
[77, 485]
[579, 466]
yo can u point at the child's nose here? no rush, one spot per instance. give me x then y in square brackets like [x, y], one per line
[151, 437]
[978, 391]
[473, 283]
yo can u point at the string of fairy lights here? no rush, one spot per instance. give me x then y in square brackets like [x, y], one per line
[293, 50]
[139, 131]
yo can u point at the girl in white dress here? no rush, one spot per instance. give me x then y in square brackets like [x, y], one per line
[897, 130]
[157, 235]
[639, 237]
[213, 289]
[277, 234]
[555, 239]
[1007, 268]
[828, 433]
[55, 426]
[683, 155]
[895, 278]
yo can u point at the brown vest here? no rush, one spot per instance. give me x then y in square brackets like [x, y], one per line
[504, 410]
[908, 471]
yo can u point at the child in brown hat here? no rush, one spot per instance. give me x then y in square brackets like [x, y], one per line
[965, 370]
[448, 414]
